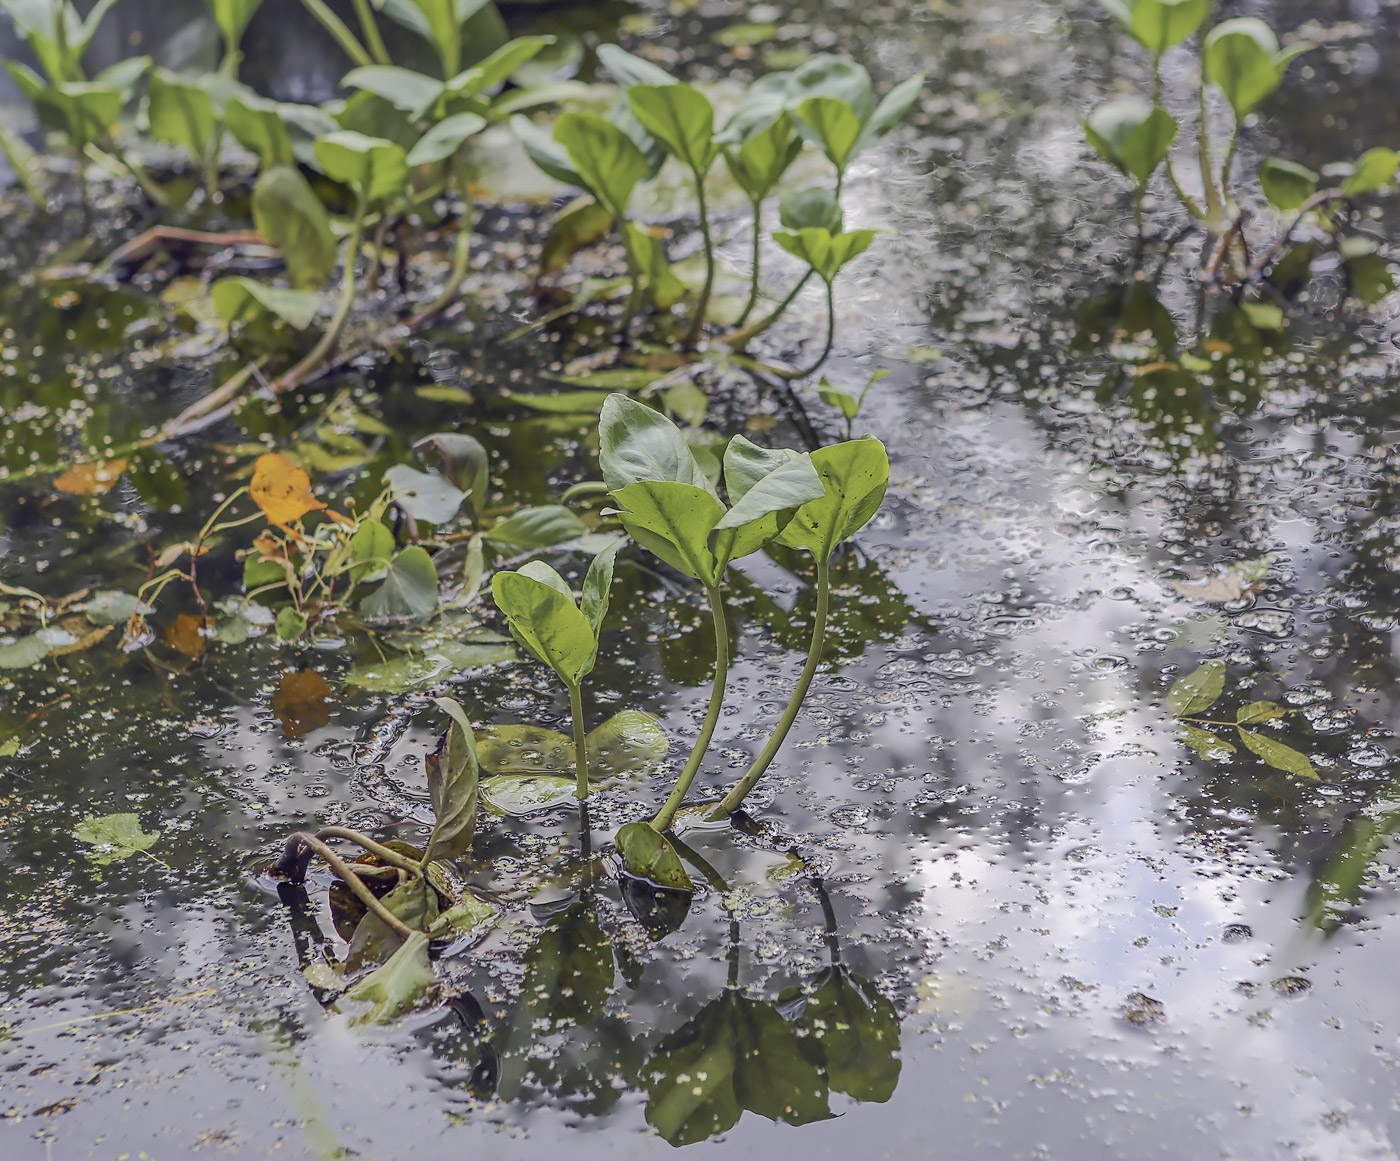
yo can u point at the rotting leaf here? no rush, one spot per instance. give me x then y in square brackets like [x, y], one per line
[300, 703]
[281, 489]
[186, 635]
[453, 774]
[114, 836]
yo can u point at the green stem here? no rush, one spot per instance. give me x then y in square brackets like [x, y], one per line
[1192, 206]
[387, 855]
[697, 324]
[342, 35]
[666, 815]
[1229, 161]
[743, 336]
[830, 336]
[580, 742]
[21, 160]
[753, 276]
[369, 29]
[734, 799]
[634, 272]
[1214, 206]
[460, 263]
[322, 350]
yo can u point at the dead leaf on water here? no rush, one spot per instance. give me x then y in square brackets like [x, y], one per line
[300, 703]
[186, 635]
[1225, 585]
[90, 479]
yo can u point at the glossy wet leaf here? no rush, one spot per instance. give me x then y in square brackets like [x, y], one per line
[737, 1054]
[1374, 170]
[467, 917]
[414, 902]
[607, 160]
[857, 1028]
[1206, 744]
[282, 489]
[638, 443]
[397, 986]
[1240, 60]
[546, 622]
[371, 547]
[1259, 711]
[674, 521]
[374, 168]
[766, 507]
[680, 117]
[453, 775]
[536, 528]
[114, 836]
[300, 702]
[759, 163]
[1198, 690]
[240, 300]
[522, 794]
[569, 968]
[1131, 135]
[647, 854]
[291, 217]
[448, 660]
[1279, 756]
[855, 475]
[422, 495]
[597, 587]
[410, 587]
[181, 112]
[445, 138]
[1286, 184]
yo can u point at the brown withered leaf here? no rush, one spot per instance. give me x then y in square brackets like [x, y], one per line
[185, 635]
[90, 479]
[300, 703]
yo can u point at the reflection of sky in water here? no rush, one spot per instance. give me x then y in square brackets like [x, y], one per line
[1096, 943]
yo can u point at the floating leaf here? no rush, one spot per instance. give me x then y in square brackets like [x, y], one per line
[1206, 744]
[410, 587]
[1232, 583]
[300, 703]
[399, 674]
[648, 854]
[424, 496]
[536, 528]
[397, 986]
[281, 489]
[115, 836]
[291, 624]
[186, 635]
[25, 652]
[90, 479]
[1259, 711]
[512, 794]
[111, 608]
[1198, 690]
[1279, 756]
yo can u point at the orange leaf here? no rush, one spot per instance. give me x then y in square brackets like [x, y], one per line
[339, 519]
[300, 702]
[186, 635]
[90, 479]
[282, 490]
[270, 548]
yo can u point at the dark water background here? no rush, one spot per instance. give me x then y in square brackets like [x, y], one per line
[1097, 941]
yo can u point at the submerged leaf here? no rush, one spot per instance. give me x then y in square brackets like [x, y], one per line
[648, 854]
[527, 794]
[422, 495]
[398, 985]
[300, 703]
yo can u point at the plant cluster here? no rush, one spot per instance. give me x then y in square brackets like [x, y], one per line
[1242, 60]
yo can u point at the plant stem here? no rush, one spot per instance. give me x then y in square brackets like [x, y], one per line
[666, 815]
[743, 336]
[634, 272]
[734, 799]
[385, 854]
[322, 350]
[1214, 207]
[21, 160]
[830, 335]
[342, 35]
[753, 277]
[460, 262]
[580, 743]
[355, 883]
[369, 29]
[1229, 162]
[697, 324]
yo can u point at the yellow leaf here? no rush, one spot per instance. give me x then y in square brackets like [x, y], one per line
[90, 479]
[281, 489]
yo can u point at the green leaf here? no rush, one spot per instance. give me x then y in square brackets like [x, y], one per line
[181, 112]
[453, 775]
[497, 68]
[890, 112]
[521, 795]
[239, 299]
[1239, 61]
[440, 22]
[681, 118]
[291, 624]
[647, 854]
[568, 970]
[837, 397]
[745, 463]
[9, 748]
[855, 475]
[258, 126]
[760, 162]
[582, 221]
[628, 70]
[375, 169]
[232, 17]
[1373, 170]
[626, 743]
[836, 77]
[604, 157]
[414, 902]
[536, 528]
[637, 443]
[526, 751]
[1371, 277]
[398, 985]
[1286, 184]
[445, 138]
[597, 587]
[400, 674]
[410, 587]
[1259, 711]
[405, 89]
[25, 652]
[464, 461]
[1206, 744]
[832, 126]
[1131, 135]
[1158, 25]
[547, 154]
[291, 217]
[767, 506]
[858, 1030]
[1279, 756]
[1197, 691]
[545, 620]
[422, 495]
[115, 836]
[371, 546]
[824, 252]
[661, 283]
[110, 607]
[674, 521]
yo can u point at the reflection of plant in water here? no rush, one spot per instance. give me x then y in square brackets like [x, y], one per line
[1241, 60]
[1192, 695]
